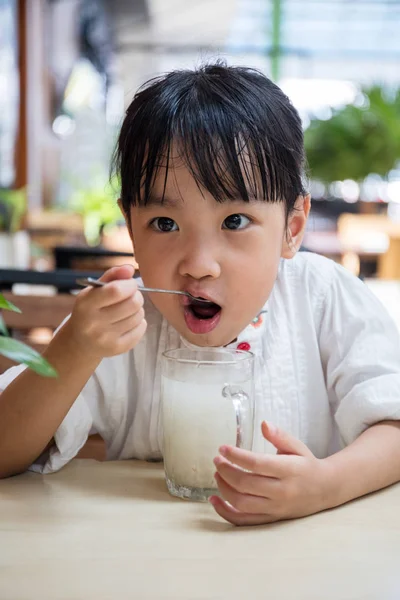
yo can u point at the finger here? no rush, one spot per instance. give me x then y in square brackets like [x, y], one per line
[113, 274]
[126, 325]
[120, 272]
[263, 464]
[123, 272]
[245, 482]
[133, 336]
[123, 310]
[244, 502]
[284, 442]
[236, 517]
[113, 293]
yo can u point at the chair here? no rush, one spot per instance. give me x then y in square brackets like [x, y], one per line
[63, 280]
[95, 259]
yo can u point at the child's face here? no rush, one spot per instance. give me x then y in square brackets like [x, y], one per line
[228, 253]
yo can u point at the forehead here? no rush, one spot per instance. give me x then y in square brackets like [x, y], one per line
[174, 180]
[214, 171]
[178, 176]
[174, 175]
[181, 188]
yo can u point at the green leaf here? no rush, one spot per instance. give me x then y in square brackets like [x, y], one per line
[13, 203]
[356, 140]
[21, 353]
[3, 328]
[8, 305]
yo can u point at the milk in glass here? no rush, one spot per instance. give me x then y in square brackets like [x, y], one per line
[197, 420]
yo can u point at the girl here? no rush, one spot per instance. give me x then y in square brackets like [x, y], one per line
[211, 168]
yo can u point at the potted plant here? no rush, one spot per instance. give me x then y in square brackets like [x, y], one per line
[14, 243]
[98, 206]
[19, 352]
[357, 140]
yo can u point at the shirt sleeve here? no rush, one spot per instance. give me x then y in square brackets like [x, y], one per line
[360, 351]
[73, 432]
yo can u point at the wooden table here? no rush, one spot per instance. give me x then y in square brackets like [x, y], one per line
[111, 531]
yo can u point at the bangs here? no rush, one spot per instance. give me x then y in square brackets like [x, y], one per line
[234, 146]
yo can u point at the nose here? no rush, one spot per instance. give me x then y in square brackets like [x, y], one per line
[199, 259]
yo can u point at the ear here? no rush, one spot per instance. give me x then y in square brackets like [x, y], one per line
[296, 226]
[127, 219]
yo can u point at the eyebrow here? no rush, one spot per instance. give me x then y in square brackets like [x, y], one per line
[168, 201]
[174, 202]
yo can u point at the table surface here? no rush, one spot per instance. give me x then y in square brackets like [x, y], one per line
[111, 531]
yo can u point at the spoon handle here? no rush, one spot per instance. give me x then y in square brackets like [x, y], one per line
[146, 289]
[96, 283]
[90, 281]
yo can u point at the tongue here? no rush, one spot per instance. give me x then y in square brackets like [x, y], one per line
[205, 311]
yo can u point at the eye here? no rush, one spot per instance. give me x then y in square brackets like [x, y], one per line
[236, 222]
[163, 224]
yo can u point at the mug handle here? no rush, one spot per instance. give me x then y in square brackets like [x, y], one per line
[240, 401]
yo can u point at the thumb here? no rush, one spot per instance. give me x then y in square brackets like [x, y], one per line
[120, 272]
[284, 442]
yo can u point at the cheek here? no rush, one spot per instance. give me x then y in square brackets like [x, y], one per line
[165, 303]
[271, 253]
[145, 252]
[255, 285]
[260, 252]
[155, 268]
[257, 268]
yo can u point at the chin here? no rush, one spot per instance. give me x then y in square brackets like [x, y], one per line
[202, 341]
[210, 340]
[216, 338]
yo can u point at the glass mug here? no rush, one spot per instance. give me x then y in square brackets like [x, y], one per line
[207, 400]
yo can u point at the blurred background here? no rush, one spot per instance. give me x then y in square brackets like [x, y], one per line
[69, 68]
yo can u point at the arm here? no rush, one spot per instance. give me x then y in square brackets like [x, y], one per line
[32, 407]
[360, 351]
[294, 483]
[370, 463]
[105, 322]
[360, 354]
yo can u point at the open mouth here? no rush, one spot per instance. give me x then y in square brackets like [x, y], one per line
[201, 317]
[201, 310]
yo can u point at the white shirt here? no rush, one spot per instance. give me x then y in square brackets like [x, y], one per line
[327, 366]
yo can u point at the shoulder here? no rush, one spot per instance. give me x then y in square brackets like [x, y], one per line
[319, 286]
[307, 273]
[334, 293]
[313, 274]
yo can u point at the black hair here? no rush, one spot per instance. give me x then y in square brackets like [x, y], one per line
[235, 130]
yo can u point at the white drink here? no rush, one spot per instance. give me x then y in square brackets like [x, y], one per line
[197, 420]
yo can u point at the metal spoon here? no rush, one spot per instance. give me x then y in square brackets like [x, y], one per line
[96, 283]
